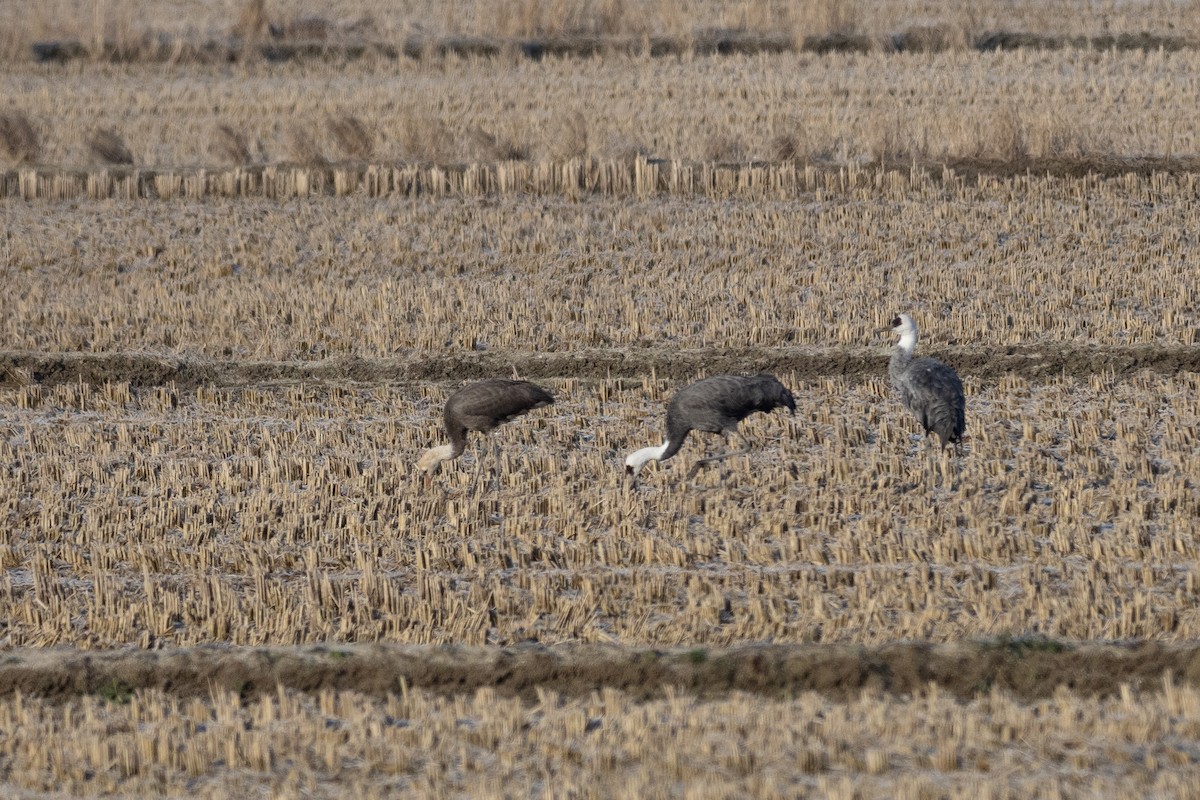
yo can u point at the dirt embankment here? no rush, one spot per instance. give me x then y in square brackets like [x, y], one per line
[981, 363]
[1027, 668]
[330, 44]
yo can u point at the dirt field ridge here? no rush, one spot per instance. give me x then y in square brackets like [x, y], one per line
[713, 42]
[638, 177]
[1027, 668]
[984, 363]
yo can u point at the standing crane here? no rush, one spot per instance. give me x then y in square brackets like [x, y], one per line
[929, 389]
[713, 405]
[481, 407]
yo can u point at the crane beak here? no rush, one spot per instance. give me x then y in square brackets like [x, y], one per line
[631, 477]
[883, 329]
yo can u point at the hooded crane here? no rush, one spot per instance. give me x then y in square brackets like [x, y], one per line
[481, 407]
[929, 388]
[714, 405]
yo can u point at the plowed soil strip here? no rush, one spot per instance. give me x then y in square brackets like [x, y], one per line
[704, 43]
[1027, 668]
[139, 369]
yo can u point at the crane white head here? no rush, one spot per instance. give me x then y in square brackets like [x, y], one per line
[430, 459]
[902, 324]
[638, 458]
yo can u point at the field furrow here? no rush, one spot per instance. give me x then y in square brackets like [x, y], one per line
[141, 370]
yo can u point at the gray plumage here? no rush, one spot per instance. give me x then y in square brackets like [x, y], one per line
[481, 407]
[715, 405]
[929, 389]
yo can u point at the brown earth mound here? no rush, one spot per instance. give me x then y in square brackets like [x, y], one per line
[281, 47]
[1036, 362]
[1026, 668]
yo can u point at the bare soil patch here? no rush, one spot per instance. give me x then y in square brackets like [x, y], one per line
[716, 42]
[138, 370]
[1025, 668]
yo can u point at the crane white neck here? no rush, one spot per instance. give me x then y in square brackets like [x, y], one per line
[434, 456]
[908, 341]
[637, 459]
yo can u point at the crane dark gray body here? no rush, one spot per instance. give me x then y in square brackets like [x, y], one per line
[714, 405]
[481, 407]
[929, 389]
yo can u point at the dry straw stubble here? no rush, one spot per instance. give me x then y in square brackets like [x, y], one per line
[1014, 262]
[304, 148]
[355, 140]
[489, 746]
[304, 520]
[108, 146]
[1060, 105]
[230, 146]
[19, 141]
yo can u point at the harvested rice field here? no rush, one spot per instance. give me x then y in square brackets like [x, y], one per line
[248, 253]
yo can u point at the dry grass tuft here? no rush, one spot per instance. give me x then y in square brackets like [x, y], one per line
[107, 145]
[572, 139]
[931, 39]
[427, 140]
[353, 137]
[1006, 138]
[554, 18]
[18, 139]
[230, 146]
[494, 147]
[725, 148]
[11, 375]
[303, 147]
[252, 21]
[827, 17]
[790, 144]
[897, 143]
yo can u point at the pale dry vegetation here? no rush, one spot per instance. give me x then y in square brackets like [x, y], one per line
[293, 514]
[230, 146]
[19, 142]
[1043, 262]
[474, 216]
[108, 146]
[331, 744]
[124, 30]
[831, 110]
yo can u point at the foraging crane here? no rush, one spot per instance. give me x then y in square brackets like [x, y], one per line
[927, 387]
[714, 405]
[481, 407]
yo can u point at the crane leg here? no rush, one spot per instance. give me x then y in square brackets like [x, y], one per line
[495, 485]
[475, 475]
[709, 459]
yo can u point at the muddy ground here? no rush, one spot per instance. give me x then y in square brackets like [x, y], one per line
[1026, 668]
[720, 42]
[146, 370]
